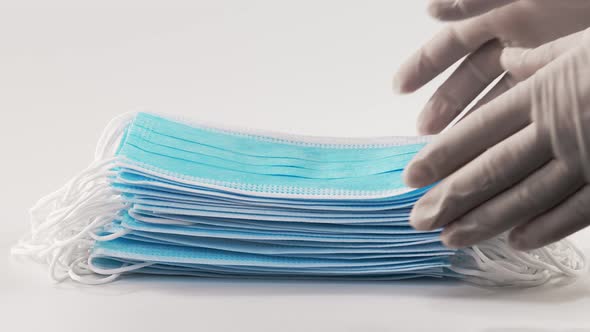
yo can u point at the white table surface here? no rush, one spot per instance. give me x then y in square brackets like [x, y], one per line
[311, 67]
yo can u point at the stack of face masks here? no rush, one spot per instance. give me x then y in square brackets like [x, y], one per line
[166, 197]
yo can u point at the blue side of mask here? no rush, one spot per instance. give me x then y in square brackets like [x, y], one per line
[224, 158]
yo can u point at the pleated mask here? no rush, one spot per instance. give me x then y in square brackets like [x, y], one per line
[169, 197]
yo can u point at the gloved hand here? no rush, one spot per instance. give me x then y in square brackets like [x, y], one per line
[503, 23]
[521, 162]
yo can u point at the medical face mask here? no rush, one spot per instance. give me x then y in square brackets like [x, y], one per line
[169, 197]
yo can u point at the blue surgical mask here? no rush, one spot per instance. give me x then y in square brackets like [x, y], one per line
[168, 197]
[262, 164]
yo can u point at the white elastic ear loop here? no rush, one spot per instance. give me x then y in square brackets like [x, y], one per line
[576, 260]
[60, 215]
[125, 268]
[113, 132]
[496, 264]
[85, 277]
[91, 214]
[497, 279]
[49, 204]
[53, 266]
[517, 261]
[506, 272]
[98, 170]
[63, 223]
[495, 274]
[112, 236]
[88, 230]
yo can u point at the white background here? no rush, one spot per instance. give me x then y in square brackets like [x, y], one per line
[310, 67]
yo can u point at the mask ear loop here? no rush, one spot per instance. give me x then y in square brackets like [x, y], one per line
[111, 274]
[62, 195]
[576, 262]
[100, 192]
[120, 233]
[81, 274]
[112, 134]
[489, 273]
[89, 230]
[125, 268]
[512, 270]
[64, 223]
[494, 263]
[96, 211]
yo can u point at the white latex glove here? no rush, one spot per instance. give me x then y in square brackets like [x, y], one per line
[502, 23]
[521, 162]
